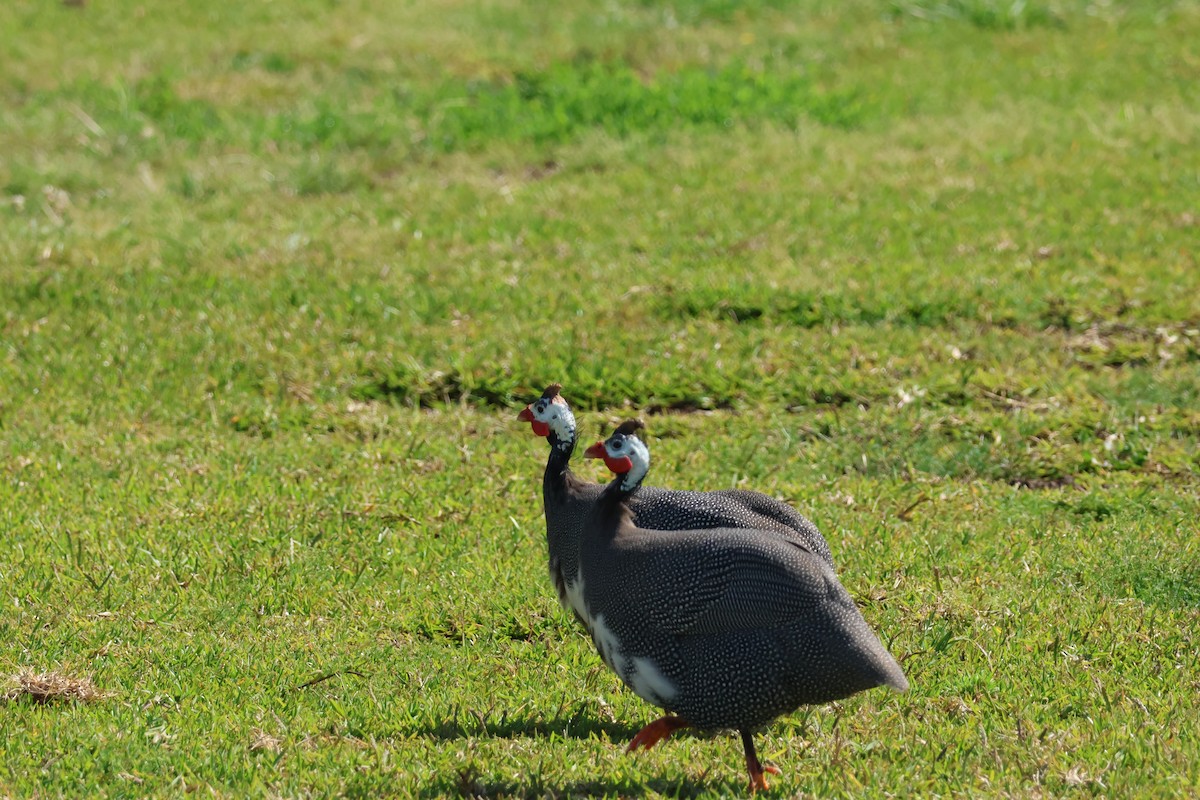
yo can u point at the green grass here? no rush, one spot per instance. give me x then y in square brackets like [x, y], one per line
[275, 278]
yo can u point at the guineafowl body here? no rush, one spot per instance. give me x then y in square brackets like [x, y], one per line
[724, 628]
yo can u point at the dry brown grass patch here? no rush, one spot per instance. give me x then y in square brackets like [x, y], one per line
[261, 740]
[51, 687]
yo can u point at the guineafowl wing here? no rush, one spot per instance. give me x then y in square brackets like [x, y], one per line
[728, 580]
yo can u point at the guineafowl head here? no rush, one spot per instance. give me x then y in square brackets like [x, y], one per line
[624, 453]
[550, 416]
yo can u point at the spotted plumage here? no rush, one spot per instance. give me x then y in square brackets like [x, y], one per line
[723, 628]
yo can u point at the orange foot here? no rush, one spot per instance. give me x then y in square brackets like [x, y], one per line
[758, 780]
[754, 766]
[655, 732]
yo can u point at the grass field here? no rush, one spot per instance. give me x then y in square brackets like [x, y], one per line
[276, 277]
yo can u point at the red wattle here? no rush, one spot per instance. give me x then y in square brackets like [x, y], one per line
[540, 428]
[618, 465]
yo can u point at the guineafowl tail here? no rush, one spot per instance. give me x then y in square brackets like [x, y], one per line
[877, 664]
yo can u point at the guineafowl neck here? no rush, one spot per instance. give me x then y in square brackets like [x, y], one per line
[558, 471]
[561, 498]
[612, 507]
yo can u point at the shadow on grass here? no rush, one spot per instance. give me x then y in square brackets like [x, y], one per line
[1156, 581]
[468, 783]
[575, 726]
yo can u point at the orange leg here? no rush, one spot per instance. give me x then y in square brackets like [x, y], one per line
[655, 732]
[756, 768]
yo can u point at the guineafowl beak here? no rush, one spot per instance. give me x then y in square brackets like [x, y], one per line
[526, 414]
[596, 451]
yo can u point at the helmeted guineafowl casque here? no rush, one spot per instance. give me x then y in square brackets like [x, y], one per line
[568, 500]
[726, 628]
